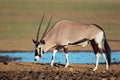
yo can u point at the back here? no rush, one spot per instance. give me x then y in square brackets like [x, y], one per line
[68, 31]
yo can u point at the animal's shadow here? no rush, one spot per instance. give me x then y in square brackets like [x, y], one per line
[54, 65]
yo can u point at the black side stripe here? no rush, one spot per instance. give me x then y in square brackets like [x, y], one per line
[80, 41]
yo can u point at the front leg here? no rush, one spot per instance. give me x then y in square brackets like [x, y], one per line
[66, 55]
[53, 56]
[67, 61]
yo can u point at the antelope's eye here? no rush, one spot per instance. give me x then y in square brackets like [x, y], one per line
[36, 45]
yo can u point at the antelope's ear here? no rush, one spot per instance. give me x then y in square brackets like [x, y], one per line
[42, 41]
[33, 41]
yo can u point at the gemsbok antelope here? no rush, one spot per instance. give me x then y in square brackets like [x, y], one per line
[65, 33]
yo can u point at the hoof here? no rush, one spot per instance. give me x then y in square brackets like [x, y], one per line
[66, 66]
[94, 69]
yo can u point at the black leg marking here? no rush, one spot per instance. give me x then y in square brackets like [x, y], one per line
[66, 55]
[95, 46]
[65, 49]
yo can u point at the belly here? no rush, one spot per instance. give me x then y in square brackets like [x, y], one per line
[83, 44]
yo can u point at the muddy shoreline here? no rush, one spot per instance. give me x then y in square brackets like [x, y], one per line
[40, 71]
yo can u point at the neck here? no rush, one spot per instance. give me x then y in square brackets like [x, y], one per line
[49, 41]
[48, 46]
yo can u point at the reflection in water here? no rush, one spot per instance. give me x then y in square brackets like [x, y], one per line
[74, 57]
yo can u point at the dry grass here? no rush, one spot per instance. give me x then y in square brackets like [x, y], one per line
[19, 19]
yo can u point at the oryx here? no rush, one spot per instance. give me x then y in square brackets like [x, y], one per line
[65, 33]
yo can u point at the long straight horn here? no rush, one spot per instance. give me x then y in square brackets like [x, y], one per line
[39, 27]
[47, 27]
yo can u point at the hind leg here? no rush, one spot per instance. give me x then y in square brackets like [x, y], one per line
[97, 61]
[107, 66]
[97, 47]
[104, 56]
[101, 50]
[97, 53]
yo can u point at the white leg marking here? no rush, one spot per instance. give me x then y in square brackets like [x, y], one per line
[53, 56]
[97, 61]
[107, 66]
[67, 62]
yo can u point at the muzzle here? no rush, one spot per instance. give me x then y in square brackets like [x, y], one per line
[37, 58]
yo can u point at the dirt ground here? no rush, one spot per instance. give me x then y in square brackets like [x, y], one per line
[43, 71]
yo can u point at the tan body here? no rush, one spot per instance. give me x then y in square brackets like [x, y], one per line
[66, 33]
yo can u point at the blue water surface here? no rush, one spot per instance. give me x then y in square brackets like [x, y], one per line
[74, 57]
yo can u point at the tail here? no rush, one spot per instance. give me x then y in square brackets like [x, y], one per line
[107, 50]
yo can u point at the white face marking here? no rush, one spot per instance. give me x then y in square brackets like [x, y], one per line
[39, 50]
[36, 58]
[37, 47]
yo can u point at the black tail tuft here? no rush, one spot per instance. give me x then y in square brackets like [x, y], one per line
[107, 51]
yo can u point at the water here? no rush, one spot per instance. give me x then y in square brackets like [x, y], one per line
[74, 57]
